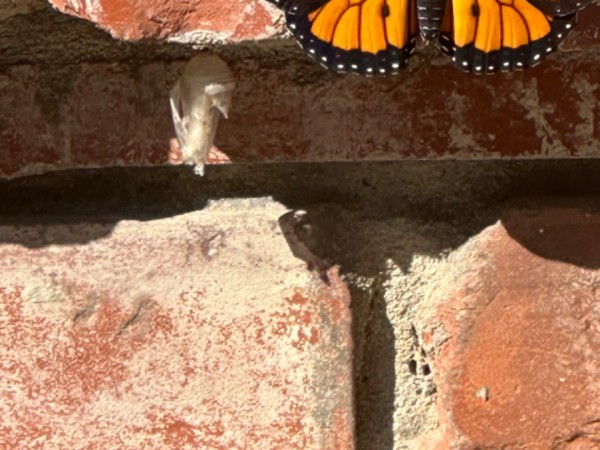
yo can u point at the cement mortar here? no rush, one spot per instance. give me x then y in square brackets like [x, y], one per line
[389, 226]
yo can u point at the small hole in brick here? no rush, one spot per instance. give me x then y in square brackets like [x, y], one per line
[426, 369]
[412, 366]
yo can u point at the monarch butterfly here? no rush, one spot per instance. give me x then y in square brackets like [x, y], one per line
[373, 37]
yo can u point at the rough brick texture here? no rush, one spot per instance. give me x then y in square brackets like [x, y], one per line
[72, 97]
[206, 331]
[197, 331]
[464, 316]
[516, 334]
[225, 20]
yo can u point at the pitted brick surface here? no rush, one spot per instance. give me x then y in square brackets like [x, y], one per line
[197, 331]
[519, 361]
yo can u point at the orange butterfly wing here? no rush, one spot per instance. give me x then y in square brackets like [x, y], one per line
[373, 37]
[368, 37]
[486, 36]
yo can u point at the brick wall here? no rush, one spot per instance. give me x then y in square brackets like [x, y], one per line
[448, 303]
[94, 101]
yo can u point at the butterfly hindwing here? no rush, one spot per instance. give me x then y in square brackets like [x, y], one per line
[487, 36]
[368, 37]
[372, 37]
[559, 8]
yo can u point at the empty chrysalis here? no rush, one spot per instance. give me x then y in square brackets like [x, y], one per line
[201, 95]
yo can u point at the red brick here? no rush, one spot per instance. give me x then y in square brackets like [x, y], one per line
[519, 334]
[102, 119]
[198, 331]
[229, 20]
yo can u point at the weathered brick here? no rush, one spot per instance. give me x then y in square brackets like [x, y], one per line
[196, 331]
[225, 20]
[516, 334]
